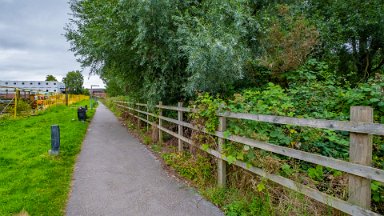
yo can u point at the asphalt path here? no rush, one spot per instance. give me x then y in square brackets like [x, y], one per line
[116, 175]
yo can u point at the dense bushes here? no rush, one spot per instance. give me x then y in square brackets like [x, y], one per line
[312, 99]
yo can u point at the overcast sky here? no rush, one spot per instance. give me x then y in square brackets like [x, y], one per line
[32, 44]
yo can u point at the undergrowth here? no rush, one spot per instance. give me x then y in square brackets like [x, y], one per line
[309, 99]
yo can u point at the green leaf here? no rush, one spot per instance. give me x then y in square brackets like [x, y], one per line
[231, 159]
[316, 173]
[240, 156]
[373, 100]
[226, 134]
[275, 133]
[205, 147]
[376, 197]
[337, 173]
[375, 186]
[260, 186]
[287, 169]
[251, 155]
[246, 148]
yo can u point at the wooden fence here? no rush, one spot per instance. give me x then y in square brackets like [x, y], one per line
[359, 167]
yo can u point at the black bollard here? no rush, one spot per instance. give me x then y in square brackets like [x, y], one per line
[55, 140]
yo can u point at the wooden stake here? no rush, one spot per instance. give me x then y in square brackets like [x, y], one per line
[221, 165]
[179, 127]
[138, 115]
[147, 119]
[160, 124]
[360, 152]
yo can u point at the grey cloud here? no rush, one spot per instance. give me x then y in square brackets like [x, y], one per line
[32, 44]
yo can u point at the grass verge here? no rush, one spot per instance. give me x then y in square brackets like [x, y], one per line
[30, 179]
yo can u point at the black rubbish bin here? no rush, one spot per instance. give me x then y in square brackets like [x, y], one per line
[82, 114]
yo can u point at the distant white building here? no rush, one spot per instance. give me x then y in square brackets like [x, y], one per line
[33, 86]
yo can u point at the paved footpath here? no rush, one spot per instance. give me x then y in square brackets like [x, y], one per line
[116, 175]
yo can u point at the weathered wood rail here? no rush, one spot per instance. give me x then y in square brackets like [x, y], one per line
[359, 167]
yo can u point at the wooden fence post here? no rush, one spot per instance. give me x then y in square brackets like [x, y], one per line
[179, 127]
[17, 96]
[221, 165]
[147, 118]
[66, 97]
[160, 123]
[138, 115]
[360, 152]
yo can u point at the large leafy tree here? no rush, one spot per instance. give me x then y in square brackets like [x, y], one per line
[152, 51]
[74, 82]
[128, 42]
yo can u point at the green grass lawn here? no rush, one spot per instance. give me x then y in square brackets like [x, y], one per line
[30, 178]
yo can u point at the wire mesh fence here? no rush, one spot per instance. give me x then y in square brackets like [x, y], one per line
[26, 103]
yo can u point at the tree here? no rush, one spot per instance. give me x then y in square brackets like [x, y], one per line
[287, 42]
[152, 50]
[50, 78]
[74, 82]
[214, 42]
[352, 35]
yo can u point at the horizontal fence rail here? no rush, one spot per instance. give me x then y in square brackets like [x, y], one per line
[356, 127]
[361, 173]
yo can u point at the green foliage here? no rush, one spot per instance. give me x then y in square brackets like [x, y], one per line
[316, 173]
[208, 106]
[377, 192]
[86, 92]
[257, 206]
[213, 38]
[197, 169]
[287, 40]
[218, 196]
[74, 82]
[155, 147]
[171, 50]
[23, 107]
[287, 170]
[235, 202]
[351, 34]
[314, 95]
[50, 78]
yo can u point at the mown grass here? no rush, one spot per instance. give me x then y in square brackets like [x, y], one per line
[31, 179]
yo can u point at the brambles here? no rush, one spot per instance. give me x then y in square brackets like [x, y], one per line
[316, 99]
